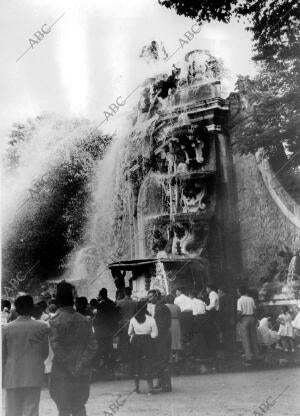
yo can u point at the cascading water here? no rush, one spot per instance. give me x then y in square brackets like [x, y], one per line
[89, 263]
[109, 233]
[48, 141]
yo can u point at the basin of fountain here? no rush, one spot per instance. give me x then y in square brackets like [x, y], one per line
[164, 274]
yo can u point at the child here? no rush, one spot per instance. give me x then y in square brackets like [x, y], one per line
[266, 336]
[286, 329]
[142, 328]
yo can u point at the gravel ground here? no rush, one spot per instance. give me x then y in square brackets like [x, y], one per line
[235, 394]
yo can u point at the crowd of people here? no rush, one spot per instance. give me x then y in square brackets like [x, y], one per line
[62, 339]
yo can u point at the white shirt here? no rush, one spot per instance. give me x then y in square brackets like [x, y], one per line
[246, 305]
[184, 303]
[147, 327]
[213, 301]
[198, 306]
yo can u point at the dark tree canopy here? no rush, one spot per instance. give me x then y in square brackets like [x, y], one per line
[203, 10]
[272, 95]
[271, 22]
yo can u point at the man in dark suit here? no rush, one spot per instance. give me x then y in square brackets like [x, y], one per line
[106, 324]
[74, 347]
[162, 316]
[226, 320]
[127, 309]
[24, 348]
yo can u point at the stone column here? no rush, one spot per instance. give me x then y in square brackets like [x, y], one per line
[227, 210]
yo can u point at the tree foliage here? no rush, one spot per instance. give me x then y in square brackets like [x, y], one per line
[274, 104]
[273, 95]
[52, 222]
[272, 22]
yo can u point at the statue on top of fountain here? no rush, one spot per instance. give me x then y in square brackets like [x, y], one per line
[155, 51]
[166, 86]
[202, 66]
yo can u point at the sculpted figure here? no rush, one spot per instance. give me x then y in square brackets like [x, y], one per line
[199, 152]
[182, 168]
[194, 203]
[171, 163]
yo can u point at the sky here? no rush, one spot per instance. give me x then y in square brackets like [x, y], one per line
[90, 56]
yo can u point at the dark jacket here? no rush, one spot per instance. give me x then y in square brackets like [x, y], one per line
[106, 321]
[24, 348]
[73, 343]
[127, 308]
[226, 309]
[162, 316]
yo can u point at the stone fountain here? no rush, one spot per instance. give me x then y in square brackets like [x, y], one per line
[181, 200]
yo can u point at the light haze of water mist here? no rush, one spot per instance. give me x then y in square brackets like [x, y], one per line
[89, 262]
[89, 60]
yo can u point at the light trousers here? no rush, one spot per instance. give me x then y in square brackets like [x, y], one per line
[249, 336]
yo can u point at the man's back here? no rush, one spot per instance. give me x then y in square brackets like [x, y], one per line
[107, 319]
[24, 348]
[226, 305]
[72, 342]
[162, 317]
[127, 308]
[246, 305]
[184, 302]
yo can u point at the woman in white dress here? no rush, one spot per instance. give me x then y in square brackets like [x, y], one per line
[286, 331]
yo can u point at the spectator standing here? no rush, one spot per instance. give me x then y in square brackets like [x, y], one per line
[246, 310]
[296, 325]
[24, 348]
[200, 330]
[43, 305]
[127, 309]
[162, 318]
[226, 320]
[176, 344]
[212, 319]
[52, 309]
[198, 305]
[13, 313]
[186, 322]
[37, 312]
[213, 298]
[286, 331]
[106, 324]
[74, 347]
[93, 306]
[81, 306]
[142, 329]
